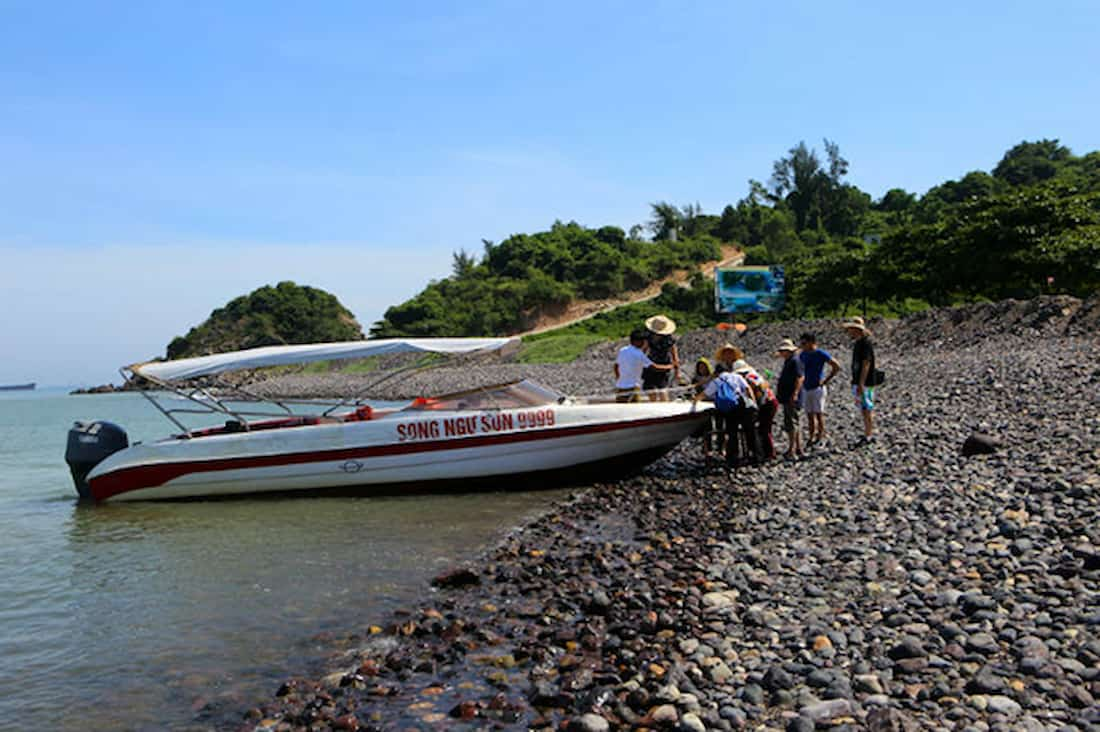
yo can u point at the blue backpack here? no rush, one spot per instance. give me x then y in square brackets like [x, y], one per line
[726, 398]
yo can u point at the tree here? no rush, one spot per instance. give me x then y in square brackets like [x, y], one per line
[845, 207]
[729, 225]
[1032, 162]
[798, 179]
[815, 192]
[666, 221]
[896, 200]
[462, 264]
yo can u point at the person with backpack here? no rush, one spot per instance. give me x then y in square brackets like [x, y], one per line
[734, 401]
[766, 407]
[865, 377]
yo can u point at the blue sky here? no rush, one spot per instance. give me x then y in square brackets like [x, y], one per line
[159, 158]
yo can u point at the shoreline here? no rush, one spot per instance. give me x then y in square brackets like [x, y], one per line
[590, 373]
[893, 587]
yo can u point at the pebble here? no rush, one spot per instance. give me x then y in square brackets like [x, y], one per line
[1000, 704]
[691, 723]
[589, 723]
[827, 709]
[664, 714]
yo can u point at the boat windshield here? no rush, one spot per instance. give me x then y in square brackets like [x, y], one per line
[503, 396]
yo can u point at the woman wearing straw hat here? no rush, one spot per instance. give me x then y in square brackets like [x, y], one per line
[863, 366]
[727, 355]
[662, 351]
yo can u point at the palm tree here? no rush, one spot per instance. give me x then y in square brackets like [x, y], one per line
[666, 221]
[802, 181]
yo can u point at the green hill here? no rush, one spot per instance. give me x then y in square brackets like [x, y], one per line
[527, 275]
[1029, 226]
[283, 314]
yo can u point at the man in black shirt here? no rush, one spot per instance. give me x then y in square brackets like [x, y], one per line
[863, 368]
[788, 392]
[662, 351]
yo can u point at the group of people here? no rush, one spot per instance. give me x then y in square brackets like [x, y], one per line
[746, 404]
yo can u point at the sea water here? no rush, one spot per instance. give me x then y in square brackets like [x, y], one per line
[155, 615]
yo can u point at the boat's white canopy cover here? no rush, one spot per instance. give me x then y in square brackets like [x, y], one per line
[254, 358]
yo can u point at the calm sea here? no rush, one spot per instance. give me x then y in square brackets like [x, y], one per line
[141, 616]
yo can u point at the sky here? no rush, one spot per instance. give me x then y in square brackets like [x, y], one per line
[160, 158]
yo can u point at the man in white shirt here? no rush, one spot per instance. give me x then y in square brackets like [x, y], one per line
[629, 365]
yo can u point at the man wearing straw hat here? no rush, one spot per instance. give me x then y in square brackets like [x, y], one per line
[788, 390]
[662, 351]
[863, 367]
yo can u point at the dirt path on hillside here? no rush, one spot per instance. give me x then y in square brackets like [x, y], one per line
[580, 310]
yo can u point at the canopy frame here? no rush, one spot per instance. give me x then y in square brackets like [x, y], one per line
[215, 396]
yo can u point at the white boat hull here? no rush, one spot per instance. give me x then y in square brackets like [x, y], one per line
[524, 448]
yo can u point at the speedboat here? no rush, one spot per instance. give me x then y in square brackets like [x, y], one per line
[517, 435]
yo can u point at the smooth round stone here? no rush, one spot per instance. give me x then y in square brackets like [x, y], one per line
[752, 694]
[827, 709]
[1000, 704]
[982, 643]
[732, 714]
[589, 723]
[800, 724]
[690, 722]
[920, 577]
[664, 714]
[868, 683]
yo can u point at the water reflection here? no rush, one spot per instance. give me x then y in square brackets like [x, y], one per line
[171, 608]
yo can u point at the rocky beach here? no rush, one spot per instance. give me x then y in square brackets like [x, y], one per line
[895, 586]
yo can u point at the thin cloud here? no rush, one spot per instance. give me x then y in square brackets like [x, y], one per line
[72, 316]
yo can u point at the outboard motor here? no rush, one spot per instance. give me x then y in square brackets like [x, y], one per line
[89, 444]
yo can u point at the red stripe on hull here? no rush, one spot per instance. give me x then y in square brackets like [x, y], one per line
[123, 480]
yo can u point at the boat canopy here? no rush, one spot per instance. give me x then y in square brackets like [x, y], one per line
[253, 358]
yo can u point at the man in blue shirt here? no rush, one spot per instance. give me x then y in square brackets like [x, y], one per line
[814, 360]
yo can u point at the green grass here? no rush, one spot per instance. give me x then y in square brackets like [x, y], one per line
[359, 365]
[317, 367]
[343, 366]
[617, 323]
[556, 348]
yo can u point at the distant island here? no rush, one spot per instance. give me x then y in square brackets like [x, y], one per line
[285, 314]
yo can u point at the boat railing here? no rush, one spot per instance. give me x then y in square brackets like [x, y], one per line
[675, 393]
